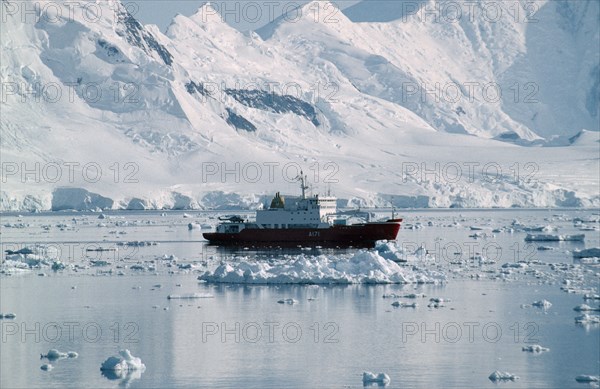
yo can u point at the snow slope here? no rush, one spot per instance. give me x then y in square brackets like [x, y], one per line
[102, 112]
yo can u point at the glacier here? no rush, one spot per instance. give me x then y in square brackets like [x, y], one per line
[382, 106]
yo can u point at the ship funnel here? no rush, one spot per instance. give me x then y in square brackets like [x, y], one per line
[278, 201]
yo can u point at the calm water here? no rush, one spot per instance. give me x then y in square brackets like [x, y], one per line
[243, 338]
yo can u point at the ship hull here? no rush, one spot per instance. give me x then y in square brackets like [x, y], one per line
[355, 235]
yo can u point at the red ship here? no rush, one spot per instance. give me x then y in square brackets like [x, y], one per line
[301, 221]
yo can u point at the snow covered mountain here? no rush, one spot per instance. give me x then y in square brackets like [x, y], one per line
[383, 107]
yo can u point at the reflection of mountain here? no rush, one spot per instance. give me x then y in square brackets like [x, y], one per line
[370, 95]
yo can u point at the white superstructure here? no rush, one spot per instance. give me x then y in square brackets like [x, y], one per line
[304, 212]
[297, 213]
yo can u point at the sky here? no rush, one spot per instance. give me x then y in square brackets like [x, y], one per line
[241, 14]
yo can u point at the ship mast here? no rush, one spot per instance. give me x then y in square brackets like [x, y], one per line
[303, 185]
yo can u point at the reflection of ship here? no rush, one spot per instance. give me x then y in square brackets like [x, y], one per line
[305, 220]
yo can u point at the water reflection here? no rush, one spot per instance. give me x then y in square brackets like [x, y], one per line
[125, 378]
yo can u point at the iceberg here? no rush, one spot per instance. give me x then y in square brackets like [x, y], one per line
[122, 364]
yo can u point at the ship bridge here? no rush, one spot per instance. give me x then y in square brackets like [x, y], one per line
[297, 212]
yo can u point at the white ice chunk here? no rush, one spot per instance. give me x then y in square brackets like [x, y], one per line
[55, 354]
[404, 305]
[381, 378]
[535, 348]
[366, 266]
[587, 378]
[587, 319]
[553, 238]
[585, 307]
[123, 363]
[542, 304]
[593, 252]
[502, 376]
[288, 301]
[589, 296]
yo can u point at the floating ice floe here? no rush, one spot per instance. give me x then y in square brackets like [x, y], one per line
[407, 296]
[99, 263]
[593, 252]
[478, 234]
[30, 257]
[515, 265]
[502, 376]
[367, 267]
[584, 308]
[194, 226]
[554, 238]
[372, 378]
[414, 295]
[481, 260]
[536, 228]
[399, 304]
[288, 301]
[542, 304]
[589, 296]
[587, 319]
[58, 265]
[587, 378]
[545, 248]
[587, 228]
[389, 250]
[137, 243]
[590, 261]
[476, 228]
[54, 354]
[190, 296]
[123, 363]
[437, 302]
[100, 249]
[535, 348]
